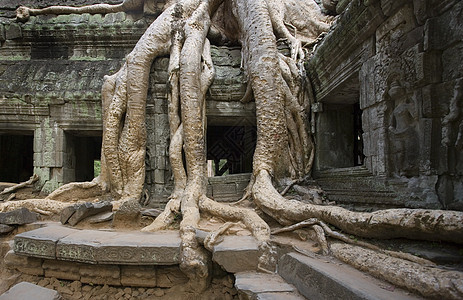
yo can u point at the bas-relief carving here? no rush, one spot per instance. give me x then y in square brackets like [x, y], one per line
[403, 139]
[452, 123]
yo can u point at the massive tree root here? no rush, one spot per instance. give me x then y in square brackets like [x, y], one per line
[283, 97]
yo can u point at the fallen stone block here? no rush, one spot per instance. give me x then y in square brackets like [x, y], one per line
[88, 209]
[67, 213]
[27, 291]
[100, 218]
[18, 217]
[4, 229]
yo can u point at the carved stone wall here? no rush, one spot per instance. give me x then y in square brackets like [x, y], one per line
[401, 61]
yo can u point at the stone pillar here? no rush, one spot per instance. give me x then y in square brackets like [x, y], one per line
[49, 154]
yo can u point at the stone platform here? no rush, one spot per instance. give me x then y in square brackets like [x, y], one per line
[151, 260]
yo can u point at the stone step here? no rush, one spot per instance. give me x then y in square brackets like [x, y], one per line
[236, 254]
[262, 286]
[359, 171]
[323, 279]
[99, 246]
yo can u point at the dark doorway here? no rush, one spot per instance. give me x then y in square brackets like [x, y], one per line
[16, 157]
[85, 154]
[340, 137]
[230, 149]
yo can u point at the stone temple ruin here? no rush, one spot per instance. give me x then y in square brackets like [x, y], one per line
[387, 121]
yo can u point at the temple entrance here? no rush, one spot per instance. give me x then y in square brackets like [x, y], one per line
[230, 149]
[84, 155]
[340, 137]
[16, 157]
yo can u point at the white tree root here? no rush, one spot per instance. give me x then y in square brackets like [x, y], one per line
[427, 281]
[18, 186]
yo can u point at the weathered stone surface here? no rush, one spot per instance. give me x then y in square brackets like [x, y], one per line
[18, 217]
[40, 242]
[4, 229]
[128, 212]
[85, 210]
[142, 276]
[67, 213]
[152, 212]
[23, 264]
[316, 279]
[252, 284]
[82, 245]
[61, 269]
[102, 247]
[236, 253]
[93, 274]
[100, 218]
[167, 277]
[26, 290]
[162, 248]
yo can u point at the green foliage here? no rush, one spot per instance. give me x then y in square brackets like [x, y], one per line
[96, 167]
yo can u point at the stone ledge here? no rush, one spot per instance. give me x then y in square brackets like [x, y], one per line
[252, 285]
[317, 279]
[100, 247]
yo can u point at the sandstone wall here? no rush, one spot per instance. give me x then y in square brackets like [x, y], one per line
[401, 61]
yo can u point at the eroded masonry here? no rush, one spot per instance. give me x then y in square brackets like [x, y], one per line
[387, 117]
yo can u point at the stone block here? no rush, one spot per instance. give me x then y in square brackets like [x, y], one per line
[252, 284]
[444, 30]
[141, 276]
[18, 217]
[61, 269]
[129, 211]
[26, 290]
[82, 245]
[397, 25]
[40, 242]
[23, 264]
[452, 58]
[67, 213]
[317, 279]
[2, 33]
[93, 274]
[88, 209]
[4, 229]
[236, 254]
[167, 277]
[13, 31]
[139, 248]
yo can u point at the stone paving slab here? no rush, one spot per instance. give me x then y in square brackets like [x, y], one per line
[28, 291]
[253, 285]
[237, 253]
[100, 247]
[318, 279]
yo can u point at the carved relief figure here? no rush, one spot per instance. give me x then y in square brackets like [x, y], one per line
[403, 137]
